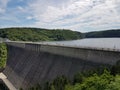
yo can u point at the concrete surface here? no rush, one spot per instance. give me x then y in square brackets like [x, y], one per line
[7, 82]
[29, 63]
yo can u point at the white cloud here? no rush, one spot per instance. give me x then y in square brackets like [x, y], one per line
[29, 17]
[76, 14]
[51, 13]
[3, 5]
[2, 10]
[21, 9]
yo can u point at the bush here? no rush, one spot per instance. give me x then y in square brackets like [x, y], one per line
[60, 82]
[3, 55]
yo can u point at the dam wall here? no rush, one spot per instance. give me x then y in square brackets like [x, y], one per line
[30, 63]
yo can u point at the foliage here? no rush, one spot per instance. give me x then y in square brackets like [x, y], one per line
[95, 82]
[101, 34]
[3, 55]
[114, 85]
[102, 80]
[78, 78]
[99, 79]
[60, 82]
[36, 87]
[47, 86]
[36, 34]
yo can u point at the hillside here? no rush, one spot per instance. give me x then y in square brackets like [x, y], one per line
[103, 34]
[36, 34]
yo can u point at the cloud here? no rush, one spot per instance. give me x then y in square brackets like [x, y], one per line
[50, 13]
[3, 5]
[29, 17]
[21, 9]
[76, 14]
[80, 15]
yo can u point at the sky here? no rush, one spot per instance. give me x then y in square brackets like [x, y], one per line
[77, 15]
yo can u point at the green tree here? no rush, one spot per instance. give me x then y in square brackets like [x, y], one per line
[38, 34]
[114, 85]
[95, 82]
[78, 78]
[3, 55]
[60, 82]
[47, 86]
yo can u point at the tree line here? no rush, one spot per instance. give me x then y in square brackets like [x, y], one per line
[37, 34]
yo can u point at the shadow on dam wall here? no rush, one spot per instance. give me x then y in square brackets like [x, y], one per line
[29, 64]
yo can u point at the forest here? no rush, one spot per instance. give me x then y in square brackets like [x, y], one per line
[39, 34]
[103, 34]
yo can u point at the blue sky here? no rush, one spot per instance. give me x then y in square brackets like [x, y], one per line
[77, 15]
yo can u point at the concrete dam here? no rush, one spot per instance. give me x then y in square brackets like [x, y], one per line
[31, 63]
